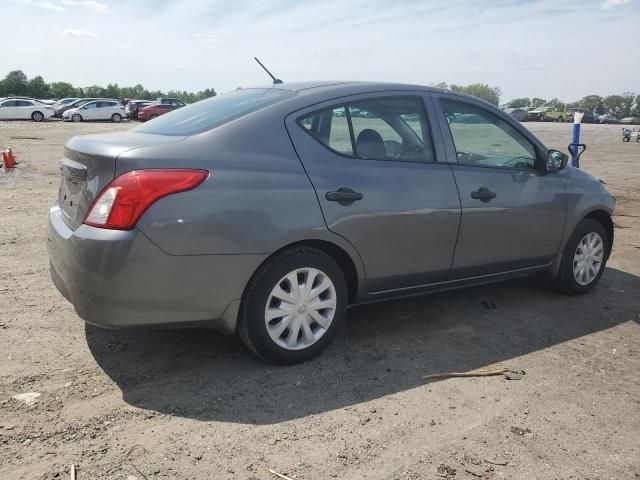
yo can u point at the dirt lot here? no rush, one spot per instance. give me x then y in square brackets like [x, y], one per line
[195, 404]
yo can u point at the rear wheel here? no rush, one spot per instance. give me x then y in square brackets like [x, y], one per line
[293, 306]
[584, 258]
[560, 119]
[37, 116]
[116, 118]
[76, 117]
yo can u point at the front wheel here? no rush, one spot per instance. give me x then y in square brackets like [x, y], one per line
[293, 306]
[560, 119]
[37, 116]
[76, 118]
[116, 118]
[584, 258]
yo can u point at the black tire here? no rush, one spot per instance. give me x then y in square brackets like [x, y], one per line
[560, 119]
[626, 139]
[542, 118]
[76, 117]
[37, 116]
[565, 280]
[116, 118]
[252, 327]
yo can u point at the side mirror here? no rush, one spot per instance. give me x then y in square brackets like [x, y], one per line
[556, 160]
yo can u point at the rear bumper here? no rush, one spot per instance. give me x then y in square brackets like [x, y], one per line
[122, 279]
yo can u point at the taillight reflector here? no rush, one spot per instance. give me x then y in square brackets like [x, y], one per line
[121, 203]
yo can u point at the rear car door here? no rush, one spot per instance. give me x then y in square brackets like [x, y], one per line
[513, 211]
[372, 162]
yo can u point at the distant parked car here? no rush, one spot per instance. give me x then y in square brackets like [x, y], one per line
[154, 110]
[608, 119]
[170, 101]
[100, 110]
[588, 117]
[20, 109]
[75, 104]
[64, 101]
[519, 114]
[630, 121]
[546, 114]
[133, 106]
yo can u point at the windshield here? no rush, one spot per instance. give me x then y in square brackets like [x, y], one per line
[213, 112]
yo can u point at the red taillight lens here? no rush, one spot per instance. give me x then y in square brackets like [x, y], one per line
[126, 198]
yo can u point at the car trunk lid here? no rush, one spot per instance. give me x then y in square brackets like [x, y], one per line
[89, 165]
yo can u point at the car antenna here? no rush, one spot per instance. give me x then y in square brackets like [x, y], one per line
[275, 80]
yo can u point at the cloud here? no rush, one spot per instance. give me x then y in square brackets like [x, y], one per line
[608, 4]
[77, 33]
[41, 4]
[88, 4]
[208, 38]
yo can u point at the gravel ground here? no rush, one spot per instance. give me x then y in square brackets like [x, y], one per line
[195, 404]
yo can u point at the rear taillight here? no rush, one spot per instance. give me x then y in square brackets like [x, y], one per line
[127, 197]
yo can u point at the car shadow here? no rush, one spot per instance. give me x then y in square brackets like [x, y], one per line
[382, 349]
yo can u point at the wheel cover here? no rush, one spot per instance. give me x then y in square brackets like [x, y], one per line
[300, 308]
[587, 259]
[38, 116]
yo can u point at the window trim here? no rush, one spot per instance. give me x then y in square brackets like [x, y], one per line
[449, 142]
[346, 102]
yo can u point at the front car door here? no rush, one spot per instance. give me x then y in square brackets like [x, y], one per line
[513, 211]
[372, 162]
[24, 109]
[89, 111]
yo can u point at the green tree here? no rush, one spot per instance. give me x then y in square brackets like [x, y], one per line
[593, 103]
[15, 83]
[480, 90]
[38, 88]
[95, 91]
[636, 108]
[556, 104]
[619, 105]
[520, 102]
[62, 90]
[537, 102]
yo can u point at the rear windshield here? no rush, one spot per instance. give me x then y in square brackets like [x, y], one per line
[213, 112]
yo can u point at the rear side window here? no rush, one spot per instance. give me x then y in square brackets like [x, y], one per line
[23, 103]
[386, 128]
[485, 140]
[213, 112]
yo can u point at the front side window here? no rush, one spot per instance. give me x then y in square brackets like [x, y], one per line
[9, 103]
[485, 140]
[386, 128]
[91, 105]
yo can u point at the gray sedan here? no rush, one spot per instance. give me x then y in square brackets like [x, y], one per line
[266, 212]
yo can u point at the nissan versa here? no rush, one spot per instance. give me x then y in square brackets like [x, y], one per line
[267, 211]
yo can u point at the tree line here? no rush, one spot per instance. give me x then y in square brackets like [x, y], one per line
[16, 83]
[624, 105]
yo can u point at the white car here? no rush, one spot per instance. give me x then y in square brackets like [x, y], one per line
[97, 110]
[23, 109]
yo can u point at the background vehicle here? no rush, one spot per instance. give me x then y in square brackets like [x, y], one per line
[264, 211]
[19, 109]
[588, 117]
[170, 101]
[519, 114]
[608, 119]
[75, 104]
[154, 110]
[630, 121]
[546, 114]
[99, 110]
[133, 106]
[64, 101]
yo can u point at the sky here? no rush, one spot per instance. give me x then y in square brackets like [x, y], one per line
[528, 48]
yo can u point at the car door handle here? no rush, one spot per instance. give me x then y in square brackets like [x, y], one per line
[483, 194]
[344, 196]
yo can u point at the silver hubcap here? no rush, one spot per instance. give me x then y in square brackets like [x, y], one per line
[37, 117]
[587, 261]
[300, 308]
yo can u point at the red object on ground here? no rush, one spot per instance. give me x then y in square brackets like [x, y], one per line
[9, 159]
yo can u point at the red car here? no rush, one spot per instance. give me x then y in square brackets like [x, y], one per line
[154, 110]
